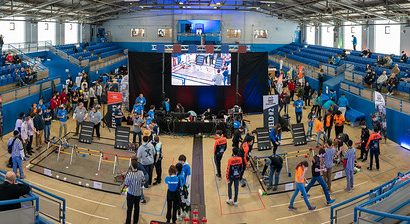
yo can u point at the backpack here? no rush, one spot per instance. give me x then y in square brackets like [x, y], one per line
[10, 147]
[374, 145]
[236, 171]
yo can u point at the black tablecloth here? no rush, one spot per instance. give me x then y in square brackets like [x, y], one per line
[175, 126]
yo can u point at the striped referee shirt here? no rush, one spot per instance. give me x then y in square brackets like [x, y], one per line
[134, 181]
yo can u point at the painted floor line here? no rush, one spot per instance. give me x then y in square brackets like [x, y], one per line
[319, 196]
[85, 213]
[292, 216]
[62, 192]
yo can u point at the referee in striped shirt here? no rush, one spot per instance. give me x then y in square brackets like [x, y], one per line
[134, 181]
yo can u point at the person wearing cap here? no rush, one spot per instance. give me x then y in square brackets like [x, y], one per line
[62, 118]
[17, 152]
[220, 146]
[364, 137]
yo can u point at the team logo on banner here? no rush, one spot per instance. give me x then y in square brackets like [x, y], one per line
[270, 110]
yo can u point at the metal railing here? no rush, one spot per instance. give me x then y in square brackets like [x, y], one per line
[41, 197]
[342, 212]
[28, 47]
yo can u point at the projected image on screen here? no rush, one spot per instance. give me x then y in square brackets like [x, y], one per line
[201, 69]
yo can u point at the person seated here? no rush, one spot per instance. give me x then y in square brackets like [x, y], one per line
[392, 83]
[380, 61]
[395, 69]
[388, 62]
[369, 53]
[207, 115]
[330, 60]
[366, 53]
[344, 54]
[370, 76]
[337, 60]
[11, 190]
[179, 108]
[9, 58]
[403, 57]
[381, 81]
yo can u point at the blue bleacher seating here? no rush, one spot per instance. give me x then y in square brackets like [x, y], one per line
[353, 115]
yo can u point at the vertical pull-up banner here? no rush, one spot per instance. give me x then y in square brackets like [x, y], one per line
[270, 110]
[114, 100]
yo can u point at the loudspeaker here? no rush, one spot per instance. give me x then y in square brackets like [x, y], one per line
[298, 133]
[86, 134]
[122, 136]
[263, 139]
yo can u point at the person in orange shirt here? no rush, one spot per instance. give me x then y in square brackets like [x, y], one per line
[234, 175]
[319, 131]
[339, 121]
[244, 153]
[328, 120]
[301, 169]
[219, 149]
[373, 145]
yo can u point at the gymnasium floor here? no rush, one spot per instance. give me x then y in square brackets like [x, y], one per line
[91, 206]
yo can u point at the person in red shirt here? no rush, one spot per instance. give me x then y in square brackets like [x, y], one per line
[63, 97]
[219, 149]
[292, 88]
[54, 105]
[234, 175]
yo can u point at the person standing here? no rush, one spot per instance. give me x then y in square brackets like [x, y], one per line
[92, 96]
[298, 104]
[62, 118]
[300, 179]
[98, 93]
[118, 115]
[339, 121]
[19, 122]
[364, 137]
[311, 120]
[145, 154]
[220, 146]
[276, 164]
[317, 169]
[291, 87]
[30, 131]
[237, 137]
[354, 42]
[373, 145]
[275, 136]
[47, 117]
[343, 103]
[173, 196]
[137, 123]
[330, 152]
[328, 123]
[186, 168]
[11, 190]
[1, 46]
[319, 131]
[234, 172]
[134, 181]
[96, 117]
[307, 94]
[141, 101]
[39, 126]
[166, 105]
[80, 114]
[158, 159]
[15, 143]
[349, 168]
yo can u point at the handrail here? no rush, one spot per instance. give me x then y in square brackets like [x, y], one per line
[29, 59]
[29, 46]
[32, 197]
[62, 209]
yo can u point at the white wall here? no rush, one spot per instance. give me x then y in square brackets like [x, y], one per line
[71, 33]
[279, 31]
[405, 39]
[310, 35]
[387, 43]
[49, 34]
[17, 35]
[347, 36]
[327, 36]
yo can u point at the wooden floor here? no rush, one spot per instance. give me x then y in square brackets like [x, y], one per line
[92, 207]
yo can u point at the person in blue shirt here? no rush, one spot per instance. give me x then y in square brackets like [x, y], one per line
[329, 105]
[275, 136]
[118, 115]
[141, 101]
[186, 168]
[41, 105]
[354, 41]
[298, 104]
[137, 109]
[225, 73]
[151, 112]
[349, 168]
[343, 103]
[166, 105]
[173, 197]
[336, 60]
[62, 117]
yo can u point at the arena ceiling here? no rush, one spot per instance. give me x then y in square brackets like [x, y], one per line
[303, 11]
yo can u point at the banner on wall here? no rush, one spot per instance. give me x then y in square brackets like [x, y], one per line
[114, 100]
[270, 110]
[380, 106]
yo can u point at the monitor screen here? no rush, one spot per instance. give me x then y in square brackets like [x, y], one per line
[201, 69]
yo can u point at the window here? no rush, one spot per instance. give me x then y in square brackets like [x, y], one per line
[13, 31]
[310, 35]
[233, 33]
[387, 37]
[165, 33]
[349, 30]
[138, 33]
[260, 34]
[47, 31]
[327, 35]
[71, 33]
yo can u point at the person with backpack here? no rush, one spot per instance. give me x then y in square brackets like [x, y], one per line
[145, 154]
[158, 159]
[219, 150]
[234, 172]
[183, 206]
[373, 146]
[16, 149]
